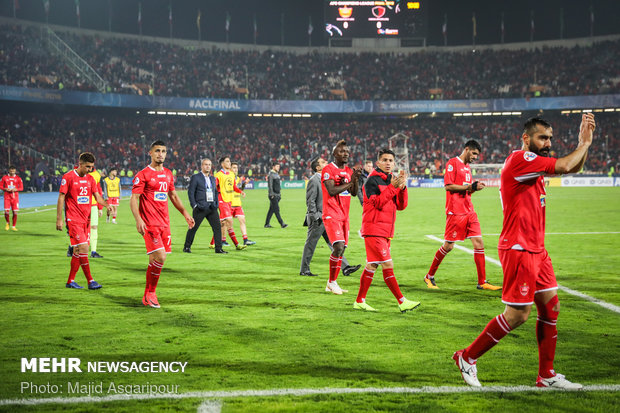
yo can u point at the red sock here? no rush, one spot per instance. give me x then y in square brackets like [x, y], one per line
[148, 279]
[334, 267]
[480, 265]
[245, 237]
[390, 280]
[547, 336]
[231, 234]
[156, 267]
[14, 218]
[365, 281]
[113, 216]
[212, 241]
[223, 240]
[85, 266]
[439, 256]
[6, 216]
[75, 266]
[491, 335]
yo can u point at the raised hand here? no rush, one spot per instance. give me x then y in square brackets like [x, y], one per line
[586, 129]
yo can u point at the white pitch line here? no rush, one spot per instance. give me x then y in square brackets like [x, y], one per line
[222, 394]
[36, 211]
[210, 406]
[567, 290]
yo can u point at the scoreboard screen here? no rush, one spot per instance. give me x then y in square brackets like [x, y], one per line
[378, 18]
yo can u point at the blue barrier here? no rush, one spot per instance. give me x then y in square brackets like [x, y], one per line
[66, 97]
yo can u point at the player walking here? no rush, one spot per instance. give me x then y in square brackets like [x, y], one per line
[528, 273]
[152, 187]
[384, 194]
[113, 190]
[11, 184]
[237, 209]
[226, 187]
[77, 188]
[339, 182]
[461, 219]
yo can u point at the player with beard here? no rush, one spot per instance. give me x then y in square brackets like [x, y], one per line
[528, 273]
[338, 183]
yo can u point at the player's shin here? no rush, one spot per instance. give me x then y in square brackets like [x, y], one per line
[85, 266]
[497, 329]
[390, 280]
[439, 256]
[334, 267]
[365, 281]
[156, 268]
[480, 265]
[547, 336]
[75, 266]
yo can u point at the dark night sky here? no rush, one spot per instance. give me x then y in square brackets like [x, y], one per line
[94, 15]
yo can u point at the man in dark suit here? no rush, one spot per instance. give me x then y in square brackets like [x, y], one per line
[316, 229]
[202, 193]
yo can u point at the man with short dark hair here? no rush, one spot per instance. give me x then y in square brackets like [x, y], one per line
[76, 189]
[226, 187]
[366, 170]
[384, 194]
[461, 219]
[237, 208]
[152, 187]
[113, 191]
[528, 273]
[339, 182]
[273, 183]
[203, 198]
[11, 184]
[314, 221]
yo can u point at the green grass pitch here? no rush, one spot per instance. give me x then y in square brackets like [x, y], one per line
[248, 321]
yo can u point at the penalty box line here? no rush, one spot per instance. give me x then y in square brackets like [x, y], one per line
[302, 392]
[567, 290]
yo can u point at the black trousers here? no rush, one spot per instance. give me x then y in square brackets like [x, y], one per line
[274, 208]
[213, 217]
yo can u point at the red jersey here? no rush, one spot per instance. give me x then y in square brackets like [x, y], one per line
[457, 173]
[11, 182]
[153, 187]
[78, 191]
[522, 192]
[337, 206]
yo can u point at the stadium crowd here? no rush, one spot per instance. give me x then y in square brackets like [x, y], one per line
[121, 140]
[172, 70]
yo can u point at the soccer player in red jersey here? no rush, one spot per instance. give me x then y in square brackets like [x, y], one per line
[528, 273]
[461, 219]
[152, 187]
[11, 184]
[76, 191]
[339, 182]
[384, 194]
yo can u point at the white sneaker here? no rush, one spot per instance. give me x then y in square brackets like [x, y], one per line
[558, 382]
[334, 288]
[468, 371]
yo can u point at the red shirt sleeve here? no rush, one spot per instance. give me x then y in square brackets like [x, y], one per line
[2, 183]
[20, 184]
[527, 165]
[450, 175]
[138, 184]
[64, 185]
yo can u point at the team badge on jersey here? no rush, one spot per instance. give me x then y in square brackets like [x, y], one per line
[136, 180]
[450, 168]
[63, 182]
[529, 156]
[326, 176]
[524, 289]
